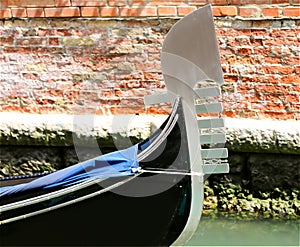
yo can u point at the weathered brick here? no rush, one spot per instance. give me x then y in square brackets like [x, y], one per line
[218, 2]
[290, 79]
[109, 11]
[138, 11]
[291, 11]
[62, 12]
[19, 12]
[249, 11]
[31, 41]
[290, 98]
[17, 49]
[167, 11]
[224, 11]
[291, 60]
[137, 2]
[270, 12]
[89, 11]
[76, 41]
[30, 3]
[275, 89]
[279, 2]
[197, 2]
[62, 3]
[118, 3]
[245, 2]
[282, 70]
[272, 60]
[5, 13]
[6, 40]
[244, 51]
[165, 2]
[184, 10]
[92, 3]
[35, 12]
[61, 32]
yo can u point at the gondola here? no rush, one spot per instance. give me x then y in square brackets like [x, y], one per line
[149, 194]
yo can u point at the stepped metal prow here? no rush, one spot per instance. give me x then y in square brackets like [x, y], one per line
[192, 70]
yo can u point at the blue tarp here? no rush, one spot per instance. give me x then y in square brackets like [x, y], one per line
[115, 164]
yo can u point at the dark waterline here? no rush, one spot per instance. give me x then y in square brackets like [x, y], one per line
[224, 231]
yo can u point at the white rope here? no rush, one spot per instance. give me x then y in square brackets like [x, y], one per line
[169, 172]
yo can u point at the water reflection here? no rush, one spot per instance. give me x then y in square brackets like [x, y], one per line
[231, 231]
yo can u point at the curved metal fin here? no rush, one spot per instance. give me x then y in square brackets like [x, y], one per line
[193, 41]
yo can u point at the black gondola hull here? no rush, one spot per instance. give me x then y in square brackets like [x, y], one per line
[148, 210]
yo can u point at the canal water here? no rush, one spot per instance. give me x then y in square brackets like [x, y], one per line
[230, 231]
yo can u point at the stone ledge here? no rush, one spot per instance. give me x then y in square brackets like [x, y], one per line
[243, 135]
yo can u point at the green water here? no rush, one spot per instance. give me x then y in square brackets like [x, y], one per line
[224, 231]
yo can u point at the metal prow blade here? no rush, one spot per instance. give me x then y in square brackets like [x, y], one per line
[190, 50]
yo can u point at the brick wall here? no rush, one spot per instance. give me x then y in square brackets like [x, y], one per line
[57, 54]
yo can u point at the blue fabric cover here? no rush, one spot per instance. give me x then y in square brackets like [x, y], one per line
[115, 164]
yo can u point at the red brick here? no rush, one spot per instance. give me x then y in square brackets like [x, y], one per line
[292, 60]
[231, 78]
[278, 115]
[258, 33]
[31, 41]
[45, 32]
[244, 51]
[62, 12]
[291, 12]
[137, 2]
[290, 98]
[117, 3]
[249, 11]
[245, 2]
[62, 32]
[167, 11]
[281, 89]
[290, 79]
[62, 3]
[271, 97]
[5, 13]
[295, 107]
[6, 40]
[283, 70]
[166, 2]
[30, 3]
[17, 49]
[184, 10]
[138, 11]
[53, 41]
[19, 12]
[296, 88]
[272, 60]
[92, 3]
[35, 12]
[224, 11]
[197, 2]
[218, 2]
[265, 51]
[279, 1]
[109, 11]
[89, 11]
[279, 33]
[272, 106]
[270, 12]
